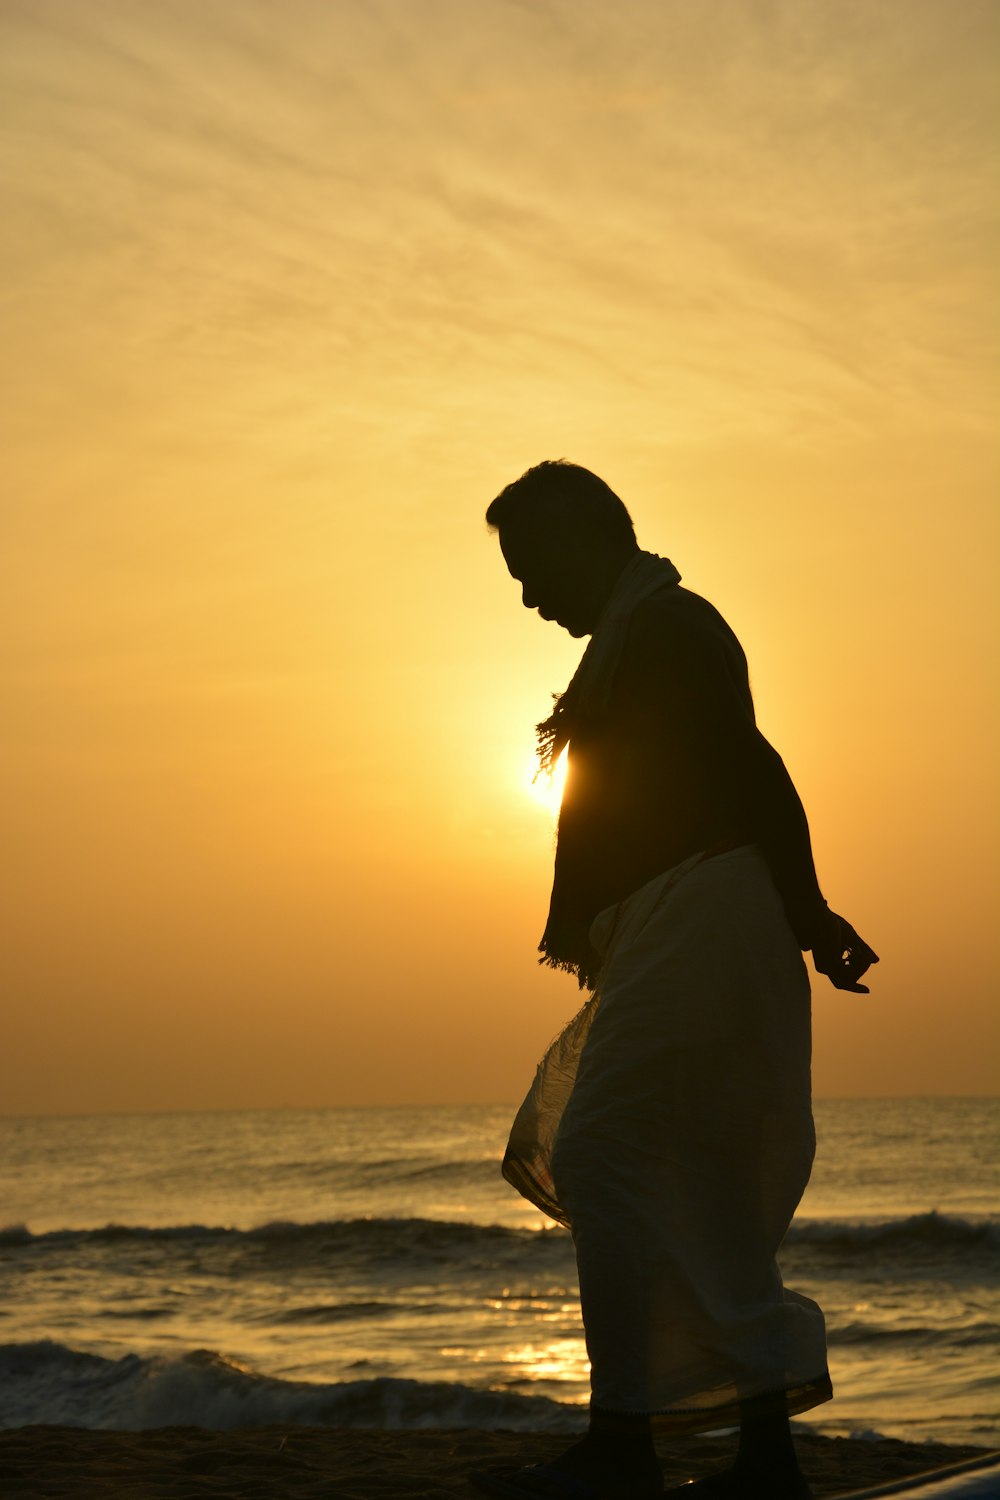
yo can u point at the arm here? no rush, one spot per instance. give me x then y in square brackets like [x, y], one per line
[702, 676]
[775, 812]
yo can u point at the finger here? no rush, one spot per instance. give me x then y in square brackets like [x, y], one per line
[857, 945]
[857, 957]
[845, 966]
[844, 971]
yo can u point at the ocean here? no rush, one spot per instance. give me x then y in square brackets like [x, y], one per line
[370, 1267]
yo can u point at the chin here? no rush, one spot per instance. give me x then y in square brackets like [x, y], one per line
[572, 627]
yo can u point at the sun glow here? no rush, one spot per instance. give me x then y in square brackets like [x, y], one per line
[545, 787]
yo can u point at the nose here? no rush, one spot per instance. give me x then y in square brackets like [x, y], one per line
[528, 599]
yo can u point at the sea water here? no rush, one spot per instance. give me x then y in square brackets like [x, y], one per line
[371, 1267]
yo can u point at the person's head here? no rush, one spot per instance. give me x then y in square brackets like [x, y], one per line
[565, 537]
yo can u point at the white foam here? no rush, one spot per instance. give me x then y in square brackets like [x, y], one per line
[46, 1382]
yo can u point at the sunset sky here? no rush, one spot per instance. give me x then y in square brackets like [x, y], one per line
[290, 292]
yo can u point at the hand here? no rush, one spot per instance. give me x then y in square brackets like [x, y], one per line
[841, 955]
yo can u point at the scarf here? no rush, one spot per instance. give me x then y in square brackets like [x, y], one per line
[585, 703]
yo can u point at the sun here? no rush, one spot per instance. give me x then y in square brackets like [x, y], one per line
[547, 788]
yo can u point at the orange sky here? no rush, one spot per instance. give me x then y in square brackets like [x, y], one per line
[289, 293]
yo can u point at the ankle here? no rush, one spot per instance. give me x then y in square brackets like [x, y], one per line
[620, 1434]
[620, 1424]
[766, 1447]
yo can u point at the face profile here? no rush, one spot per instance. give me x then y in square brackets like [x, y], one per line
[565, 566]
[551, 583]
[565, 537]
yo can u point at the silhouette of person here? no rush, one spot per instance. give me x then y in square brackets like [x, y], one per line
[670, 1126]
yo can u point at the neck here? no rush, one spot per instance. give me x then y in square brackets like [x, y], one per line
[606, 575]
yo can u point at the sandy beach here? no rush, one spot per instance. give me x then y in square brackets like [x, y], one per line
[308, 1463]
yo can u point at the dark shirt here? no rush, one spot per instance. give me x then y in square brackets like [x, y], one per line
[676, 766]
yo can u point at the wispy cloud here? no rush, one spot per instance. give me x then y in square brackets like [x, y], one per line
[379, 202]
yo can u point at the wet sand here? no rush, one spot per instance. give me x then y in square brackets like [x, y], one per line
[309, 1463]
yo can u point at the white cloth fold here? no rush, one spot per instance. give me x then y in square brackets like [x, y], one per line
[670, 1127]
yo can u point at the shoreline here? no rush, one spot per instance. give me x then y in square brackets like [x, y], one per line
[283, 1462]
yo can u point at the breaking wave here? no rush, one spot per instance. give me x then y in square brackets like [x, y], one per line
[930, 1230]
[47, 1382]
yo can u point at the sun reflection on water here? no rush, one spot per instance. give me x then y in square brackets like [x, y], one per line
[561, 1361]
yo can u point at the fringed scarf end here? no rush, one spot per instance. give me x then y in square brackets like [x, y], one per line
[581, 971]
[550, 738]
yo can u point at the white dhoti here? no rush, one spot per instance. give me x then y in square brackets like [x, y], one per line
[670, 1127]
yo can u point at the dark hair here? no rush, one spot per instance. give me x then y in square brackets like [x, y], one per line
[575, 491]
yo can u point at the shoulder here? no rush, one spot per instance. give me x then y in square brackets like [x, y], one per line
[678, 621]
[679, 651]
